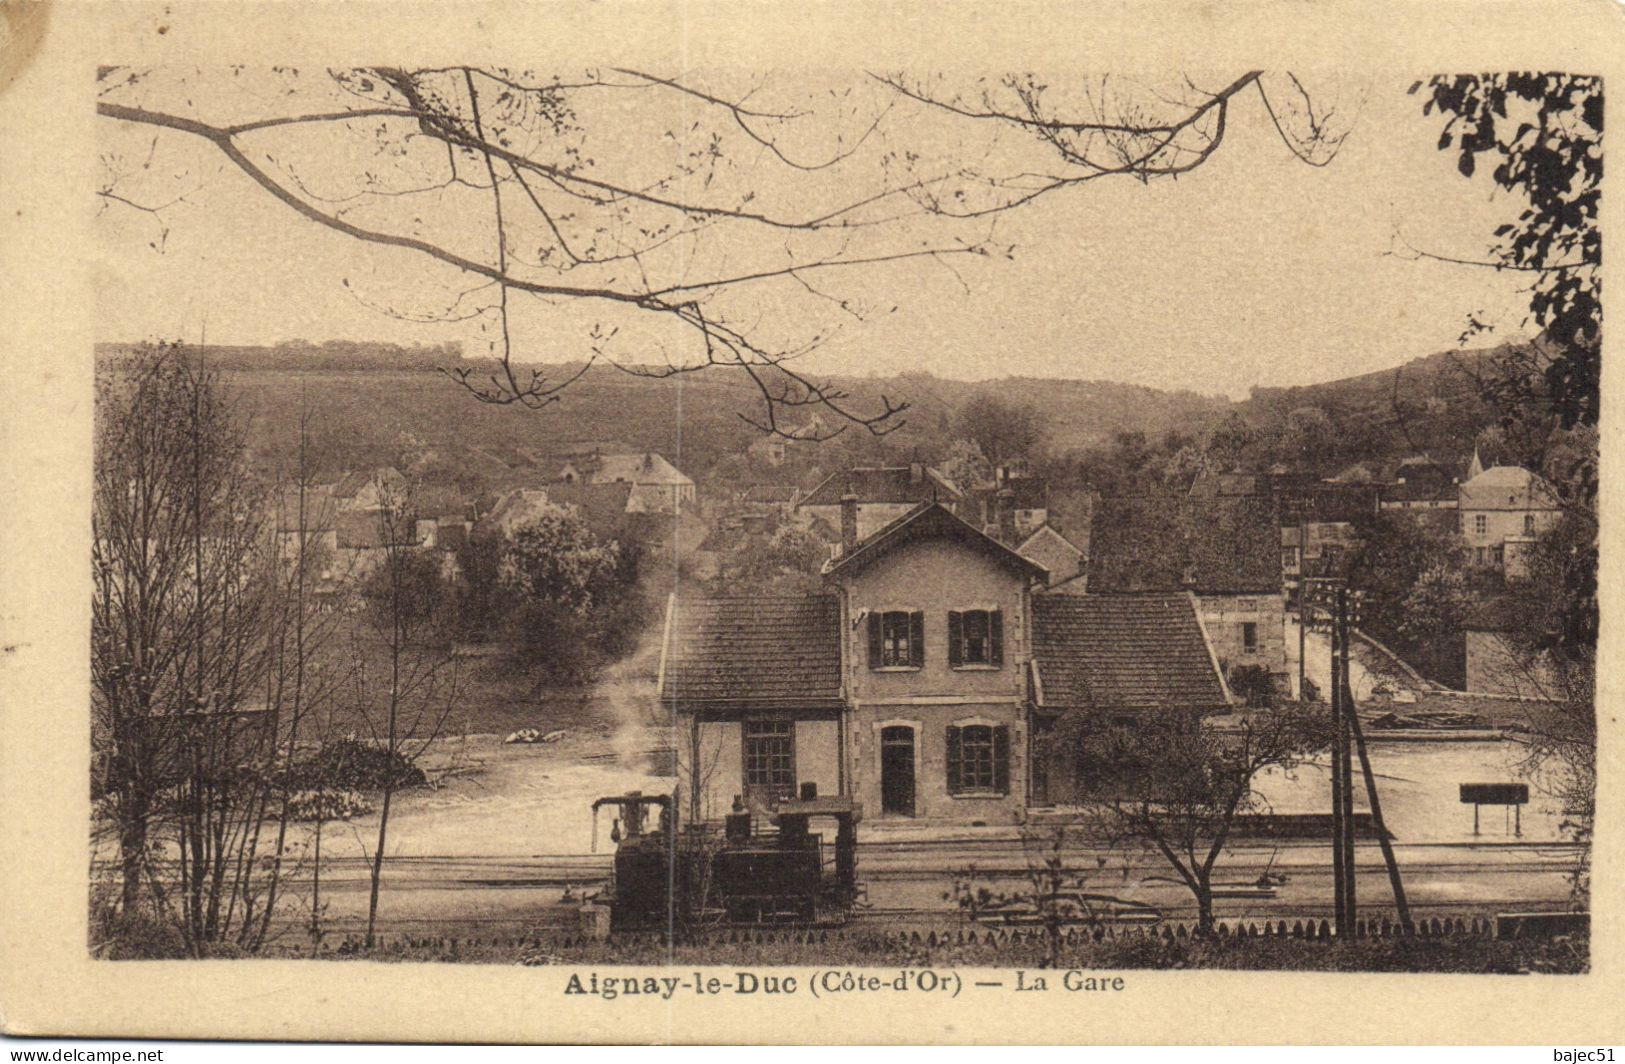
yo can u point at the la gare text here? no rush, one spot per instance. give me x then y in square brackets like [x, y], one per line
[835, 982]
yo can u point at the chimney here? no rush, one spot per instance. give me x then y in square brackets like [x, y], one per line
[1006, 510]
[916, 472]
[849, 521]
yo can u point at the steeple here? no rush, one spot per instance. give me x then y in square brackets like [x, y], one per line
[1477, 467]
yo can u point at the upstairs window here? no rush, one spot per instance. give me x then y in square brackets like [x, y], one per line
[979, 759]
[896, 639]
[1481, 524]
[976, 637]
[1528, 524]
[1249, 637]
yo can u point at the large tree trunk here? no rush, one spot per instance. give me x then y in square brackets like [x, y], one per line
[132, 844]
[1204, 904]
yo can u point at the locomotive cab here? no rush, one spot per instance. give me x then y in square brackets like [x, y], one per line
[801, 869]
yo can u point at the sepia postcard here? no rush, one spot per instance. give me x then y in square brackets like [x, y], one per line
[761, 523]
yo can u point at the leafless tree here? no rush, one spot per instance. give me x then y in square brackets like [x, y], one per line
[405, 701]
[655, 212]
[1108, 126]
[1176, 785]
[1054, 895]
[194, 611]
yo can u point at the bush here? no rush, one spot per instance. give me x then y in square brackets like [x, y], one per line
[327, 805]
[116, 935]
[355, 765]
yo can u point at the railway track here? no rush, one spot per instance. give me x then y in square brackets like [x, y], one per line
[890, 859]
[485, 895]
[561, 921]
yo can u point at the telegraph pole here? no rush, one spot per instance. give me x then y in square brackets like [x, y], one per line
[1339, 865]
[1343, 735]
[1323, 594]
[1303, 612]
[1333, 598]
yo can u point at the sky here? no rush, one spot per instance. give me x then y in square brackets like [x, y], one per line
[1255, 269]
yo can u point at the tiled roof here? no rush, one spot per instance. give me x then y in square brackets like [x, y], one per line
[640, 468]
[1508, 488]
[352, 484]
[770, 493]
[1133, 652]
[883, 484]
[932, 521]
[1327, 501]
[1420, 490]
[1046, 532]
[758, 648]
[1167, 543]
[602, 506]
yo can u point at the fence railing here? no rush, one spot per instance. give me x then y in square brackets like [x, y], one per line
[977, 938]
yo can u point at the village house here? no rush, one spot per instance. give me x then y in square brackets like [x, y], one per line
[1503, 510]
[368, 490]
[1065, 561]
[777, 499]
[1011, 508]
[882, 494]
[347, 524]
[1225, 550]
[657, 485]
[1127, 656]
[775, 449]
[1420, 483]
[911, 682]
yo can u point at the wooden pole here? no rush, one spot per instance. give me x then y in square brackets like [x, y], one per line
[1339, 871]
[1382, 829]
[1303, 615]
[1343, 736]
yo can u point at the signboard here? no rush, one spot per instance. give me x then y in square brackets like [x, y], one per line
[1495, 793]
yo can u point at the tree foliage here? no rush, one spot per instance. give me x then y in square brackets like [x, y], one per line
[1543, 134]
[785, 560]
[1410, 567]
[1005, 433]
[557, 596]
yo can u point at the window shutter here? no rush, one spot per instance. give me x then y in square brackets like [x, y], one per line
[1001, 759]
[874, 640]
[955, 762]
[916, 638]
[995, 636]
[956, 639]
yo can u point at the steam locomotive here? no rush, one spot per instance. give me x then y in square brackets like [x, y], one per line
[778, 872]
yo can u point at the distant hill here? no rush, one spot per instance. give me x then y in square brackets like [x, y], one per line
[372, 402]
[1430, 405]
[1444, 374]
[294, 355]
